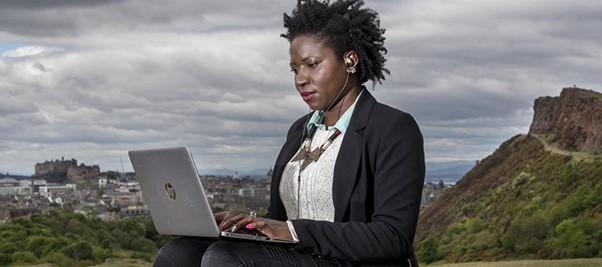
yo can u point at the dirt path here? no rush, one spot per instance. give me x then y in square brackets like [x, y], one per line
[552, 149]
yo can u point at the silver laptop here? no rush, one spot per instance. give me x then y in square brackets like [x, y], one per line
[174, 194]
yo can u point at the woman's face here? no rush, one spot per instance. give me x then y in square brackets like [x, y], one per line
[319, 74]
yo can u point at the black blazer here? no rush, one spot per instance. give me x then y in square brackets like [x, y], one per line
[377, 187]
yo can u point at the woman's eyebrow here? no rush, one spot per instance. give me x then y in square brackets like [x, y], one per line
[305, 59]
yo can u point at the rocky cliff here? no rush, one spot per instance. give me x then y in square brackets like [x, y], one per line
[571, 121]
[529, 198]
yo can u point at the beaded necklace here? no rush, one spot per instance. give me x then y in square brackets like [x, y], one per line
[308, 156]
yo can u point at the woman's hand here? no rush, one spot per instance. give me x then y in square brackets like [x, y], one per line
[224, 216]
[271, 228]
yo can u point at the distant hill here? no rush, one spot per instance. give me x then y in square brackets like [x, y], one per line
[448, 172]
[255, 173]
[18, 177]
[532, 198]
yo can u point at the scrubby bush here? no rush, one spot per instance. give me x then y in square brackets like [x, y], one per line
[7, 248]
[23, 257]
[121, 237]
[429, 250]
[36, 244]
[525, 235]
[55, 244]
[573, 239]
[143, 245]
[79, 251]
[100, 254]
[59, 259]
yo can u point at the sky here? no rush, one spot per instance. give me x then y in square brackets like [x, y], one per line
[92, 79]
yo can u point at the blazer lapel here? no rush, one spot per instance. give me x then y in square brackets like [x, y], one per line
[350, 152]
[288, 150]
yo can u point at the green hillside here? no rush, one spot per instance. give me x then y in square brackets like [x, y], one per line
[71, 239]
[522, 202]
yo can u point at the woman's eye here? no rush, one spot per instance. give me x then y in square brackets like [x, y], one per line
[294, 70]
[312, 65]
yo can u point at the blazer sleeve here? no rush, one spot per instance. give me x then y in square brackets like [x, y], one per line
[398, 180]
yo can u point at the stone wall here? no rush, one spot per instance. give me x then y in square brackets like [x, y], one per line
[83, 172]
[54, 170]
[59, 170]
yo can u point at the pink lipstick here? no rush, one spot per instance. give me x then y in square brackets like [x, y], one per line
[307, 95]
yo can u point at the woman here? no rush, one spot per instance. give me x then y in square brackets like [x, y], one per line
[348, 180]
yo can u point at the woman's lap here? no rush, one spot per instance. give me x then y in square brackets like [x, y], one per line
[184, 251]
[208, 252]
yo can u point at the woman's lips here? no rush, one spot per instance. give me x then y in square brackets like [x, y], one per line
[307, 95]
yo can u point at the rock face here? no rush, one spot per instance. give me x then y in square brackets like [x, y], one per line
[572, 121]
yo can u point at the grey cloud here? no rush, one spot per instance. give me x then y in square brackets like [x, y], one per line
[486, 58]
[34, 4]
[74, 18]
[213, 76]
[13, 105]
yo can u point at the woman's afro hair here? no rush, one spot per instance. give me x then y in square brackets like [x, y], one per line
[346, 26]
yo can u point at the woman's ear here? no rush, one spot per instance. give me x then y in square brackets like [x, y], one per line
[351, 59]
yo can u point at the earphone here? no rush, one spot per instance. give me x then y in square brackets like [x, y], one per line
[350, 63]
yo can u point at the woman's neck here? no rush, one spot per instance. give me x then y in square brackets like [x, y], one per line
[331, 117]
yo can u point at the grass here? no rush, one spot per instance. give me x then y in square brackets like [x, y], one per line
[595, 262]
[115, 262]
[124, 263]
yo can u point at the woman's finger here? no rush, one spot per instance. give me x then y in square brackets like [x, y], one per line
[229, 215]
[263, 227]
[245, 221]
[220, 216]
[230, 221]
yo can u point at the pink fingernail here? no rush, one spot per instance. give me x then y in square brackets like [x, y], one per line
[250, 226]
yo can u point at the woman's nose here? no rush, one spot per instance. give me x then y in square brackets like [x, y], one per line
[301, 78]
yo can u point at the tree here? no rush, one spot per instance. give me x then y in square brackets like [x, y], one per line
[121, 237]
[573, 238]
[36, 244]
[429, 251]
[526, 235]
[79, 251]
[143, 244]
